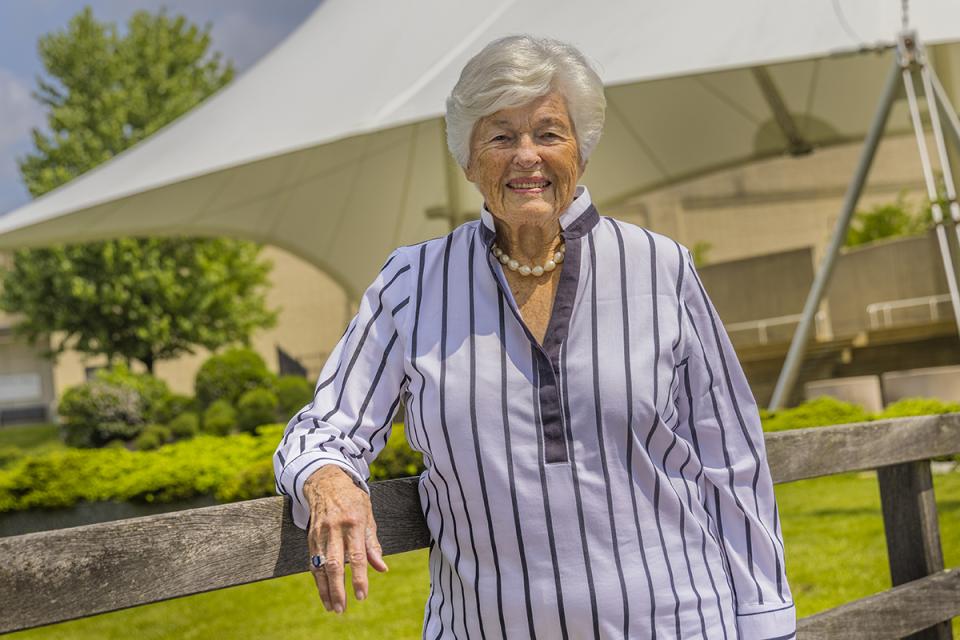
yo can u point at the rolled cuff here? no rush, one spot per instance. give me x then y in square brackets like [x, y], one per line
[297, 471]
[764, 623]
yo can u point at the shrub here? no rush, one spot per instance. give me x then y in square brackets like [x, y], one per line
[256, 407]
[293, 393]
[96, 412]
[220, 418]
[185, 425]
[818, 412]
[397, 460]
[254, 481]
[918, 407]
[922, 407]
[9, 454]
[228, 375]
[152, 437]
[174, 405]
[173, 472]
[154, 393]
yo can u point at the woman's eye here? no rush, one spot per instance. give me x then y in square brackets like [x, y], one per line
[500, 138]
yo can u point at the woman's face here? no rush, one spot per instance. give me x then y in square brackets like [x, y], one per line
[525, 160]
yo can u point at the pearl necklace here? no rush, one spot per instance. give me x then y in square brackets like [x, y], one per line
[526, 270]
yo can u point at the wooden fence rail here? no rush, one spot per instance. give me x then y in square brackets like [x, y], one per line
[60, 575]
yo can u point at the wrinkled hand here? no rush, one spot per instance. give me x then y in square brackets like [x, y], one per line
[342, 529]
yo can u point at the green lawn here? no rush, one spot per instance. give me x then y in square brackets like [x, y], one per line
[835, 553]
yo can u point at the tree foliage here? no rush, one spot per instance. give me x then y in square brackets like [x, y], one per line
[889, 220]
[139, 299]
[145, 299]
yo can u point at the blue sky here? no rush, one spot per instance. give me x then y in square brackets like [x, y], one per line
[243, 30]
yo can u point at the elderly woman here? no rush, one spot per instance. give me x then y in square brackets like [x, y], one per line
[595, 466]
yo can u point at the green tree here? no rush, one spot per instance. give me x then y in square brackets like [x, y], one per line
[139, 299]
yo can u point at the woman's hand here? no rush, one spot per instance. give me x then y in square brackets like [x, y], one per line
[342, 529]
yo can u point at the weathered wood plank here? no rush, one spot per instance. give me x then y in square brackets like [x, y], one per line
[70, 573]
[820, 451]
[912, 530]
[889, 615]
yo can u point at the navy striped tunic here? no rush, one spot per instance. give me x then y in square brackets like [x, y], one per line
[609, 483]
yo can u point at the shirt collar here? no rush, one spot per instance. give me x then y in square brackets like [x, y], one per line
[581, 204]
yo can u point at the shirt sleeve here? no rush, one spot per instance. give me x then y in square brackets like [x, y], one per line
[356, 397]
[718, 413]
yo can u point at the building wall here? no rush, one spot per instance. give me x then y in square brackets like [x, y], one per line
[775, 205]
[892, 270]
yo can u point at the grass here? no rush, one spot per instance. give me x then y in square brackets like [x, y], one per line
[37, 438]
[835, 553]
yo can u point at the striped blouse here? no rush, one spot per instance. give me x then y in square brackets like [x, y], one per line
[609, 483]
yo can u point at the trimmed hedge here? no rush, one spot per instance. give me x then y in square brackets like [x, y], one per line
[818, 412]
[235, 467]
[173, 472]
[228, 375]
[96, 412]
[220, 418]
[293, 394]
[256, 407]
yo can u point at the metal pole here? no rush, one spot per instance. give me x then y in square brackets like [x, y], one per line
[791, 366]
[931, 185]
[948, 110]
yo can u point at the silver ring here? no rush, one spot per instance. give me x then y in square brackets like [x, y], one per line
[317, 561]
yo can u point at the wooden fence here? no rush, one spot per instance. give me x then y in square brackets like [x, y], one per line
[60, 575]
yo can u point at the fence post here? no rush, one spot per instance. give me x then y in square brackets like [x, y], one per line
[912, 530]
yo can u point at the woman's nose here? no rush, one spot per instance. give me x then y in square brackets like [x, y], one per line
[527, 154]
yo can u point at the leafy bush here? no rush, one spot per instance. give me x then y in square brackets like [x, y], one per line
[818, 412]
[892, 220]
[96, 412]
[153, 436]
[918, 407]
[220, 418]
[154, 393]
[173, 472]
[922, 407]
[256, 407]
[9, 454]
[397, 460]
[293, 393]
[174, 405]
[254, 481]
[186, 425]
[229, 375]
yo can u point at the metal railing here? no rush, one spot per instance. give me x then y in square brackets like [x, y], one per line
[761, 326]
[878, 311]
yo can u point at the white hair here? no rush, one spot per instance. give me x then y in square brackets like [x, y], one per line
[514, 70]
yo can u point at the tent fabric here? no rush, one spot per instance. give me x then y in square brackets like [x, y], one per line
[332, 146]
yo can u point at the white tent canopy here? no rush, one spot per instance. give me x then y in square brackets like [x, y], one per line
[332, 146]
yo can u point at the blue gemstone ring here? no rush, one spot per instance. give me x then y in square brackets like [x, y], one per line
[317, 561]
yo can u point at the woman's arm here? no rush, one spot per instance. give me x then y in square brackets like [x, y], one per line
[323, 460]
[719, 415]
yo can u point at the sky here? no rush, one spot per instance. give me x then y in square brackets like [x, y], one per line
[243, 30]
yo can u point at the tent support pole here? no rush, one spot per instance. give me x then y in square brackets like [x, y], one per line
[794, 359]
